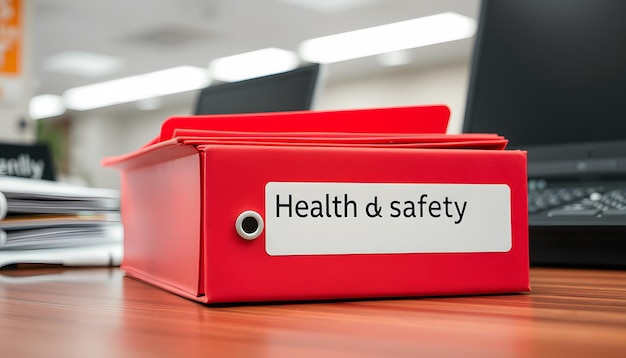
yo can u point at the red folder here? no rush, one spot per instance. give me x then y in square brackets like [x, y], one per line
[324, 205]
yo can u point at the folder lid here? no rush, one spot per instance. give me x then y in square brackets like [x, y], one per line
[415, 119]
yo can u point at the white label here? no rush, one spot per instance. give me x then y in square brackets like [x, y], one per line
[372, 218]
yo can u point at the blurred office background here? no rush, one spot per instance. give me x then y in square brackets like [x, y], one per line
[70, 44]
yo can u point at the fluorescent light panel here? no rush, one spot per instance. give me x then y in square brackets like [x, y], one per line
[253, 64]
[394, 58]
[397, 36]
[45, 106]
[135, 88]
[330, 6]
[84, 64]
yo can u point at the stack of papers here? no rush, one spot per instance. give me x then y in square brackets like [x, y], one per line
[56, 223]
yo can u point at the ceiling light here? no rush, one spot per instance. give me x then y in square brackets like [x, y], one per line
[45, 106]
[330, 6]
[149, 104]
[253, 64]
[135, 88]
[83, 64]
[394, 58]
[397, 36]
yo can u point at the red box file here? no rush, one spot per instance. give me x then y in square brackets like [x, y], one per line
[323, 205]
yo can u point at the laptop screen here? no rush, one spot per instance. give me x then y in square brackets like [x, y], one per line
[287, 91]
[550, 75]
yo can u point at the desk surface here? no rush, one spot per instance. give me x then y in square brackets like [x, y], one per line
[101, 313]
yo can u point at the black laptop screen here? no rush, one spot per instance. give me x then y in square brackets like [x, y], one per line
[550, 72]
[288, 91]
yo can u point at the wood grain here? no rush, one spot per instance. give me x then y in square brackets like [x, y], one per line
[101, 313]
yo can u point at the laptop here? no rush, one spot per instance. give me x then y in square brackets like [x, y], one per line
[293, 90]
[550, 75]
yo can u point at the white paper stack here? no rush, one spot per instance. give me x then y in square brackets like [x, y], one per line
[56, 223]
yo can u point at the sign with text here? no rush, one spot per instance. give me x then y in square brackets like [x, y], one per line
[26, 161]
[369, 218]
[11, 32]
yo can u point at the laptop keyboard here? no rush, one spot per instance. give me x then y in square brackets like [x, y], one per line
[571, 224]
[576, 202]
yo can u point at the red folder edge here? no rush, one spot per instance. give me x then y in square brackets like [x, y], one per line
[420, 119]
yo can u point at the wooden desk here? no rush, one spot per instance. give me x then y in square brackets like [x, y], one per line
[102, 313]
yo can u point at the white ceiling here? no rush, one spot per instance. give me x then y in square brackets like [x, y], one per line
[150, 35]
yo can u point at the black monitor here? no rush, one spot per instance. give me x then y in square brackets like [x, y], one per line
[293, 90]
[550, 75]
